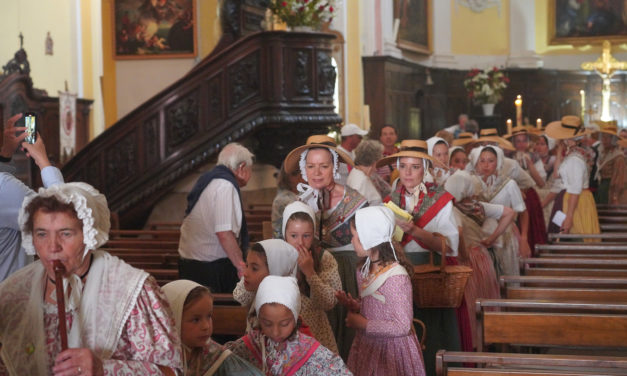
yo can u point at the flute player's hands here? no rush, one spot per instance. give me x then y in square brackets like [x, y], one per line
[74, 362]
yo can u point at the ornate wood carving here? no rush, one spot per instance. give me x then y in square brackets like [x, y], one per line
[326, 74]
[302, 77]
[121, 162]
[237, 93]
[244, 80]
[182, 120]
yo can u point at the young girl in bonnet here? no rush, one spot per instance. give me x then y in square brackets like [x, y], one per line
[384, 343]
[192, 305]
[275, 345]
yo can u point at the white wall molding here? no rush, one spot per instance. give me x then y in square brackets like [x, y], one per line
[522, 35]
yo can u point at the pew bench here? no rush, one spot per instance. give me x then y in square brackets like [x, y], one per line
[581, 248]
[574, 263]
[564, 289]
[229, 317]
[602, 237]
[502, 364]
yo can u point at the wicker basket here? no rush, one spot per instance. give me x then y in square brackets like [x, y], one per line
[439, 286]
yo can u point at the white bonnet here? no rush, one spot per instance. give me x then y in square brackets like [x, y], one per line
[476, 152]
[90, 206]
[302, 162]
[176, 292]
[455, 148]
[297, 207]
[282, 290]
[550, 142]
[375, 225]
[281, 257]
[431, 144]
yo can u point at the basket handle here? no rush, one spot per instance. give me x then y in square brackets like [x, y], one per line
[443, 253]
[424, 333]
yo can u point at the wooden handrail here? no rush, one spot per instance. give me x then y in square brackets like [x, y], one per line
[268, 83]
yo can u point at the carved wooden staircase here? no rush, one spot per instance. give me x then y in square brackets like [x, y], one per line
[274, 86]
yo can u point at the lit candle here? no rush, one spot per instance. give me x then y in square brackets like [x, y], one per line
[518, 103]
[583, 104]
[509, 126]
[539, 123]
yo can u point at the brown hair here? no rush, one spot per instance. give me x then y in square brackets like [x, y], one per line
[283, 179]
[258, 248]
[47, 205]
[316, 251]
[193, 296]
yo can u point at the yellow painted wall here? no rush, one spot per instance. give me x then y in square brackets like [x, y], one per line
[108, 65]
[542, 37]
[353, 69]
[34, 18]
[485, 33]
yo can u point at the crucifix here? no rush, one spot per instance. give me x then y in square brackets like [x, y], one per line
[605, 66]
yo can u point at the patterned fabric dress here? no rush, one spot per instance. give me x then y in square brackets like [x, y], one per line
[387, 347]
[299, 355]
[336, 233]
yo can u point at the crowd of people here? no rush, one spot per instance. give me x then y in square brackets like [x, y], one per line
[331, 293]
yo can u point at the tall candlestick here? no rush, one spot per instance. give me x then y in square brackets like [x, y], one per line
[518, 103]
[509, 126]
[539, 123]
[583, 104]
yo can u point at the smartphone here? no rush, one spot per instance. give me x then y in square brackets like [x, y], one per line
[30, 122]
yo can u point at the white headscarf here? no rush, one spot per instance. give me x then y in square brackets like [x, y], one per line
[454, 149]
[282, 290]
[281, 257]
[431, 144]
[374, 225]
[476, 152]
[176, 292]
[297, 207]
[90, 206]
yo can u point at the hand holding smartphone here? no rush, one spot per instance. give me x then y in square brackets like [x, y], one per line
[30, 122]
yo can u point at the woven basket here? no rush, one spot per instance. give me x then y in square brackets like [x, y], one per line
[439, 286]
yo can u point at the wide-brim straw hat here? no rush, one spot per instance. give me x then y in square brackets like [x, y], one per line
[410, 149]
[609, 127]
[491, 135]
[569, 127]
[315, 141]
[464, 138]
[522, 129]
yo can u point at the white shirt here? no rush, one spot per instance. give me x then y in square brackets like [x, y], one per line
[573, 175]
[443, 223]
[218, 209]
[510, 196]
[362, 184]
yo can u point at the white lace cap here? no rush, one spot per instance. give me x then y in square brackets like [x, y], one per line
[476, 152]
[282, 290]
[281, 257]
[176, 292]
[302, 163]
[297, 207]
[91, 208]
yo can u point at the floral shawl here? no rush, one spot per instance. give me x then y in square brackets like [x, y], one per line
[284, 358]
[335, 227]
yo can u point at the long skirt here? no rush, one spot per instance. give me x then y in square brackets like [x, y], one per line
[537, 226]
[585, 218]
[602, 194]
[346, 267]
[441, 323]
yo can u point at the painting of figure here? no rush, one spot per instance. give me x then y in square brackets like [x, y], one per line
[587, 21]
[412, 17]
[154, 28]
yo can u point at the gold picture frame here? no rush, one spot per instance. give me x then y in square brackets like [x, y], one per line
[589, 23]
[414, 30]
[154, 29]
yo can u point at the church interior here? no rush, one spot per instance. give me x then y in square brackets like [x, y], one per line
[138, 97]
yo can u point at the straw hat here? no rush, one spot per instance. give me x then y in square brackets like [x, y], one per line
[410, 149]
[522, 129]
[463, 139]
[570, 126]
[609, 127]
[491, 135]
[315, 141]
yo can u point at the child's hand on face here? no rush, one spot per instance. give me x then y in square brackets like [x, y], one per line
[356, 320]
[348, 301]
[305, 261]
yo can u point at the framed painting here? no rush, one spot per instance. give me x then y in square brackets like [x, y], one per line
[587, 21]
[152, 29]
[413, 20]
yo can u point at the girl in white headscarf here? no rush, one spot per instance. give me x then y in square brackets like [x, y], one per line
[317, 276]
[275, 345]
[438, 149]
[267, 257]
[192, 305]
[385, 343]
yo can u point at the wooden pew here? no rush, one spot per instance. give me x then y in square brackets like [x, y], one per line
[602, 237]
[542, 323]
[574, 263]
[142, 244]
[502, 364]
[581, 248]
[145, 234]
[229, 317]
[564, 289]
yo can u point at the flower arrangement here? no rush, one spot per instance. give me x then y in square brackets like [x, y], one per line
[486, 86]
[311, 13]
